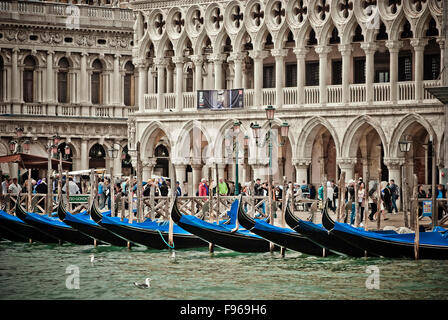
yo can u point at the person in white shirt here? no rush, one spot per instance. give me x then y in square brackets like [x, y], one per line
[14, 187]
[5, 185]
[72, 187]
[330, 194]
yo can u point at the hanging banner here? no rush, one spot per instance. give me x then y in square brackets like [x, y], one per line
[427, 208]
[220, 99]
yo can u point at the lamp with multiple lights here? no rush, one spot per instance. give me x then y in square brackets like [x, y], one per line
[20, 143]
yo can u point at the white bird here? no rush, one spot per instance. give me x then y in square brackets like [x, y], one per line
[145, 285]
[173, 256]
[92, 259]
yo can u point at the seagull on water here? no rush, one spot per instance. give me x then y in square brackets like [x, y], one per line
[92, 259]
[145, 285]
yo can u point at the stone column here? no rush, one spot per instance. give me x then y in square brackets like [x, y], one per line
[84, 80]
[346, 53]
[302, 170]
[151, 80]
[148, 168]
[179, 61]
[142, 85]
[15, 76]
[419, 48]
[394, 166]
[238, 58]
[160, 63]
[218, 60]
[369, 49]
[323, 52]
[181, 173]
[394, 49]
[84, 154]
[116, 81]
[169, 78]
[209, 82]
[441, 42]
[300, 55]
[258, 56]
[50, 78]
[279, 55]
[197, 176]
[198, 60]
[347, 166]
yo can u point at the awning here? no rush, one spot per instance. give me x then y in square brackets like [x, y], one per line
[440, 93]
[29, 161]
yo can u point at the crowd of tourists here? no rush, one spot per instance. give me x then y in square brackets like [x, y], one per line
[367, 193]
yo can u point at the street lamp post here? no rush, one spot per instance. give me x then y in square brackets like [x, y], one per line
[405, 146]
[284, 129]
[235, 148]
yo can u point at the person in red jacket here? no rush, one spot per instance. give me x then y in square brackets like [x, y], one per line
[203, 188]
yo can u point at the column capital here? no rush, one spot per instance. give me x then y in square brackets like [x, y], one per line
[369, 47]
[301, 52]
[258, 54]
[196, 166]
[197, 59]
[117, 56]
[160, 62]
[346, 162]
[50, 52]
[301, 163]
[419, 44]
[394, 163]
[178, 60]
[84, 54]
[237, 56]
[150, 162]
[217, 57]
[345, 49]
[180, 161]
[394, 45]
[323, 50]
[441, 42]
[15, 49]
[279, 53]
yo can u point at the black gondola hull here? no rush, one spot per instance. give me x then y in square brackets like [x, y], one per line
[393, 249]
[7, 234]
[293, 241]
[27, 231]
[63, 234]
[153, 239]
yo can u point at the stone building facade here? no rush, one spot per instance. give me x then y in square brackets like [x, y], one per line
[348, 76]
[66, 69]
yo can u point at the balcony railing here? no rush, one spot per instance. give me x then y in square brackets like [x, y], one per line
[66, 110]
[357, 94]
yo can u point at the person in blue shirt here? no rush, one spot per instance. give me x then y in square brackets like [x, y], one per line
[441, 194]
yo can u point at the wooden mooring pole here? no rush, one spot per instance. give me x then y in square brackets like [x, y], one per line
[415, 209]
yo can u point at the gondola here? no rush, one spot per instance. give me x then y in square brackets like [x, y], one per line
[24, 230]
[284, 237]
[432, 245]
[7, 234]
[321, 236]
[53, 227]
[83, 223]
[148, 233]
[221, 235]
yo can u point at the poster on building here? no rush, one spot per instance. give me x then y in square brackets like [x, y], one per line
[220, 99]
[427, 208]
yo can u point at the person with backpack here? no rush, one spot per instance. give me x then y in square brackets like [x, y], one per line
[395, 195]
[386, 196]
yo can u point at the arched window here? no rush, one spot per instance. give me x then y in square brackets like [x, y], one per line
[96, 82]
[28, 79]
[129, 85]
[63, 81]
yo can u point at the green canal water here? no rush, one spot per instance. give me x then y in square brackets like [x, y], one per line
[39, 272]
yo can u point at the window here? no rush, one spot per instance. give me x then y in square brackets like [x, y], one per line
[431, 67]
[336, 72]
[291, 75]
[96, 90]
[28, 79]
[360, 70]
[312, 73]
[63, 81]
[268, 77]
[382, 76]
[405, 67]
[129, 85]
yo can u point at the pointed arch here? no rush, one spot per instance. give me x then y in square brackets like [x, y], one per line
[308, 135]
[349, 148]
[147, 138]
[403, 125]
